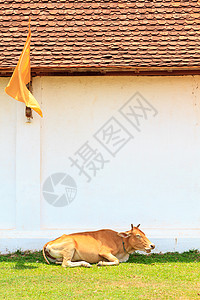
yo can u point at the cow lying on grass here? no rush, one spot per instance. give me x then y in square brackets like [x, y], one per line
[105, 247]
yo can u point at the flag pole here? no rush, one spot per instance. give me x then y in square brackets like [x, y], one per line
[28, 110]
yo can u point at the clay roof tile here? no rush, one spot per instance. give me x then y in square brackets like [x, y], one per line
[102, 33]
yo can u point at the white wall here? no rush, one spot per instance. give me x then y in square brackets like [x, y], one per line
[7, 160]
[152, 180]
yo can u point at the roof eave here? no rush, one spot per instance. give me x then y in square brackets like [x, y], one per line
[67, 70]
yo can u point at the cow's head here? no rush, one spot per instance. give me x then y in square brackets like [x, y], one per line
[137, 239]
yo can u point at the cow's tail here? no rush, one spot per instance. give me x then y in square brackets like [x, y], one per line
[43, 251]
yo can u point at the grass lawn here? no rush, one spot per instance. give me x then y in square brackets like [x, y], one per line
[156, 276]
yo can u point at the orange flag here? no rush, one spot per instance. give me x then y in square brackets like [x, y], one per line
[16, 87]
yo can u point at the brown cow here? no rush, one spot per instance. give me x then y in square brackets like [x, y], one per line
[105, 247]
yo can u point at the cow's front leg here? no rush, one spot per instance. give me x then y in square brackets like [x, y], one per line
[112, 260]
[69, 263]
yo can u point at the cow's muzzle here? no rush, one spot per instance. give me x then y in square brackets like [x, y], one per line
[151, 247]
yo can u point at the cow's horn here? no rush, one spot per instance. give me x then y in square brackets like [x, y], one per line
[138, 226]
[132, 226]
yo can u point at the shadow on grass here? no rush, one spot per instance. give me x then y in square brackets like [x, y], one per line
[27, 260]
[23, 260]
[185, 257]
[22, 266]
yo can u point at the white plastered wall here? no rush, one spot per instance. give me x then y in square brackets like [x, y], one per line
[152, 180]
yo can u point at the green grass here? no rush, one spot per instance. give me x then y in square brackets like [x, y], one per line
[156, 276]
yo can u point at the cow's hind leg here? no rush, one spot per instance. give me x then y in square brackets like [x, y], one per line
[112, 260]
[69, 263]
[67, 260]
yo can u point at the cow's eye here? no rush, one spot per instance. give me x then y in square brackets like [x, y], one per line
[138, 236]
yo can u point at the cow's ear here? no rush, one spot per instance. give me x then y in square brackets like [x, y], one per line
[124, 234]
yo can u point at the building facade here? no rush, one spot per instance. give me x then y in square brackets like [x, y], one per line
[110, 151]
[119, 143]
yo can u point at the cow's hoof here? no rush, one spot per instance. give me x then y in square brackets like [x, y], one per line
[100, 264]
[87, 265]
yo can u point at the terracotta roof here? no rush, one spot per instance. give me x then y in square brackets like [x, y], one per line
[82, 33]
